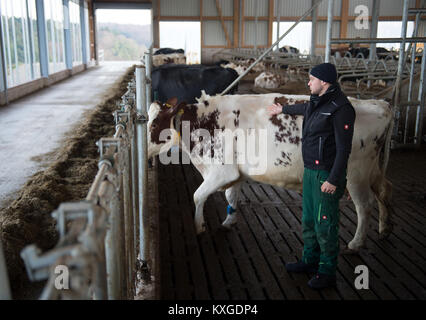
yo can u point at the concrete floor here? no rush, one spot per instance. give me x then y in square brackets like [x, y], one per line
[33, 127]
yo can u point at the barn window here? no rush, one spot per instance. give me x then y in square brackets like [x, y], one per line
[392, 29]
[299, 37]
[75, 28]
[19, 32]
[54, 15]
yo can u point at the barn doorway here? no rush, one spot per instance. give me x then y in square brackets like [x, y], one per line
[123, 34]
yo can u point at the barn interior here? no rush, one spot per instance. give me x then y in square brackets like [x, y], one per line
[80, 198]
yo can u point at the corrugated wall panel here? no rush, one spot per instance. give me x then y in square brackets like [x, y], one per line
[214, 35]
[354, 3]
[394, 7]
[337, 7]
[262, 33]
[292, 8]
[180, 7]
[209, 8]
[250, 8]
[387, 7]
[322, 31]
[354, 33]
[422, 29]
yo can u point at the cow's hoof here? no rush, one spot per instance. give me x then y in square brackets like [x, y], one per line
[225, 228]
[230, 221]
[201, 229]
[348, 251]
[385, 233]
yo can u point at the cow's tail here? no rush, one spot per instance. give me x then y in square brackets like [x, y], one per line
[388, 144]
[382, 187]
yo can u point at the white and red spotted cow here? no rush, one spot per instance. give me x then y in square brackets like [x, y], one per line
[259, 67]
[242, 65]
[239, 68]
[282, 153]
[268, 80]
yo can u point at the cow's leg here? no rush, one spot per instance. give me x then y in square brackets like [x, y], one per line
[382, 189]
[363, 198]
[213, 182]
[232, 195]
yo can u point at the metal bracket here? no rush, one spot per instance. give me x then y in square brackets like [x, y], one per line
[119, 115]
[121, 119]
[38, 265]
[132, 84]
[106, 143]
[71, 211]
[141, 117]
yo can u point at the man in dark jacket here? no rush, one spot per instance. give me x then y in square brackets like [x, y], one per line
[327, 133]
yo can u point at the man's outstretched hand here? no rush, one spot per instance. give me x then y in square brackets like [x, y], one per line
[274, 109]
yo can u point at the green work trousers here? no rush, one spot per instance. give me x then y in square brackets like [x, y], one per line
[320, 221]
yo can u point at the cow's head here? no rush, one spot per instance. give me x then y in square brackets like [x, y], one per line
[161, 132]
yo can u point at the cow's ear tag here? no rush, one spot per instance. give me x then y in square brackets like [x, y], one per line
[168, 105]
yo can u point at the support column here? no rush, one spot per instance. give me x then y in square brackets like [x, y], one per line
[42, 41]
[314, 16]
[67, 35]
[278, 23]
[329, 28]
[255, 23]
[5, 293]
[3, 80]
[400, 67]
[83, 33]
[373, 28]
[421, 98]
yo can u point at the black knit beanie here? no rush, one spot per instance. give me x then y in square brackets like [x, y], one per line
[325, 72]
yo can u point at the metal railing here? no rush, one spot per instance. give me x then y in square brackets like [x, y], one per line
[366, 71]
[104, 239]
[4, 279]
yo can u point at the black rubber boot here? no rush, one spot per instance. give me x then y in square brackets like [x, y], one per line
[301, 267]
[322, 281]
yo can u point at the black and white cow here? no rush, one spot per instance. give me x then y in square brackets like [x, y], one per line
[168, 51]
[289, 49]
[186, 81]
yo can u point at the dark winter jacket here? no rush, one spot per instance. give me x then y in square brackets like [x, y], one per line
[328, 127]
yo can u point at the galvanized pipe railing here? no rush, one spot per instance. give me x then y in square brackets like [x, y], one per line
[4, 279]
[267, 51]
[100, 236]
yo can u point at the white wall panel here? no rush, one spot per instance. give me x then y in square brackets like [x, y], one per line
[180, 7]
[322, 31]
[214, 35]
[354, 32]
[323, 7]
[250, 8]
[292, 8]
[262, 33]
[209, 8]
[394, 7]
